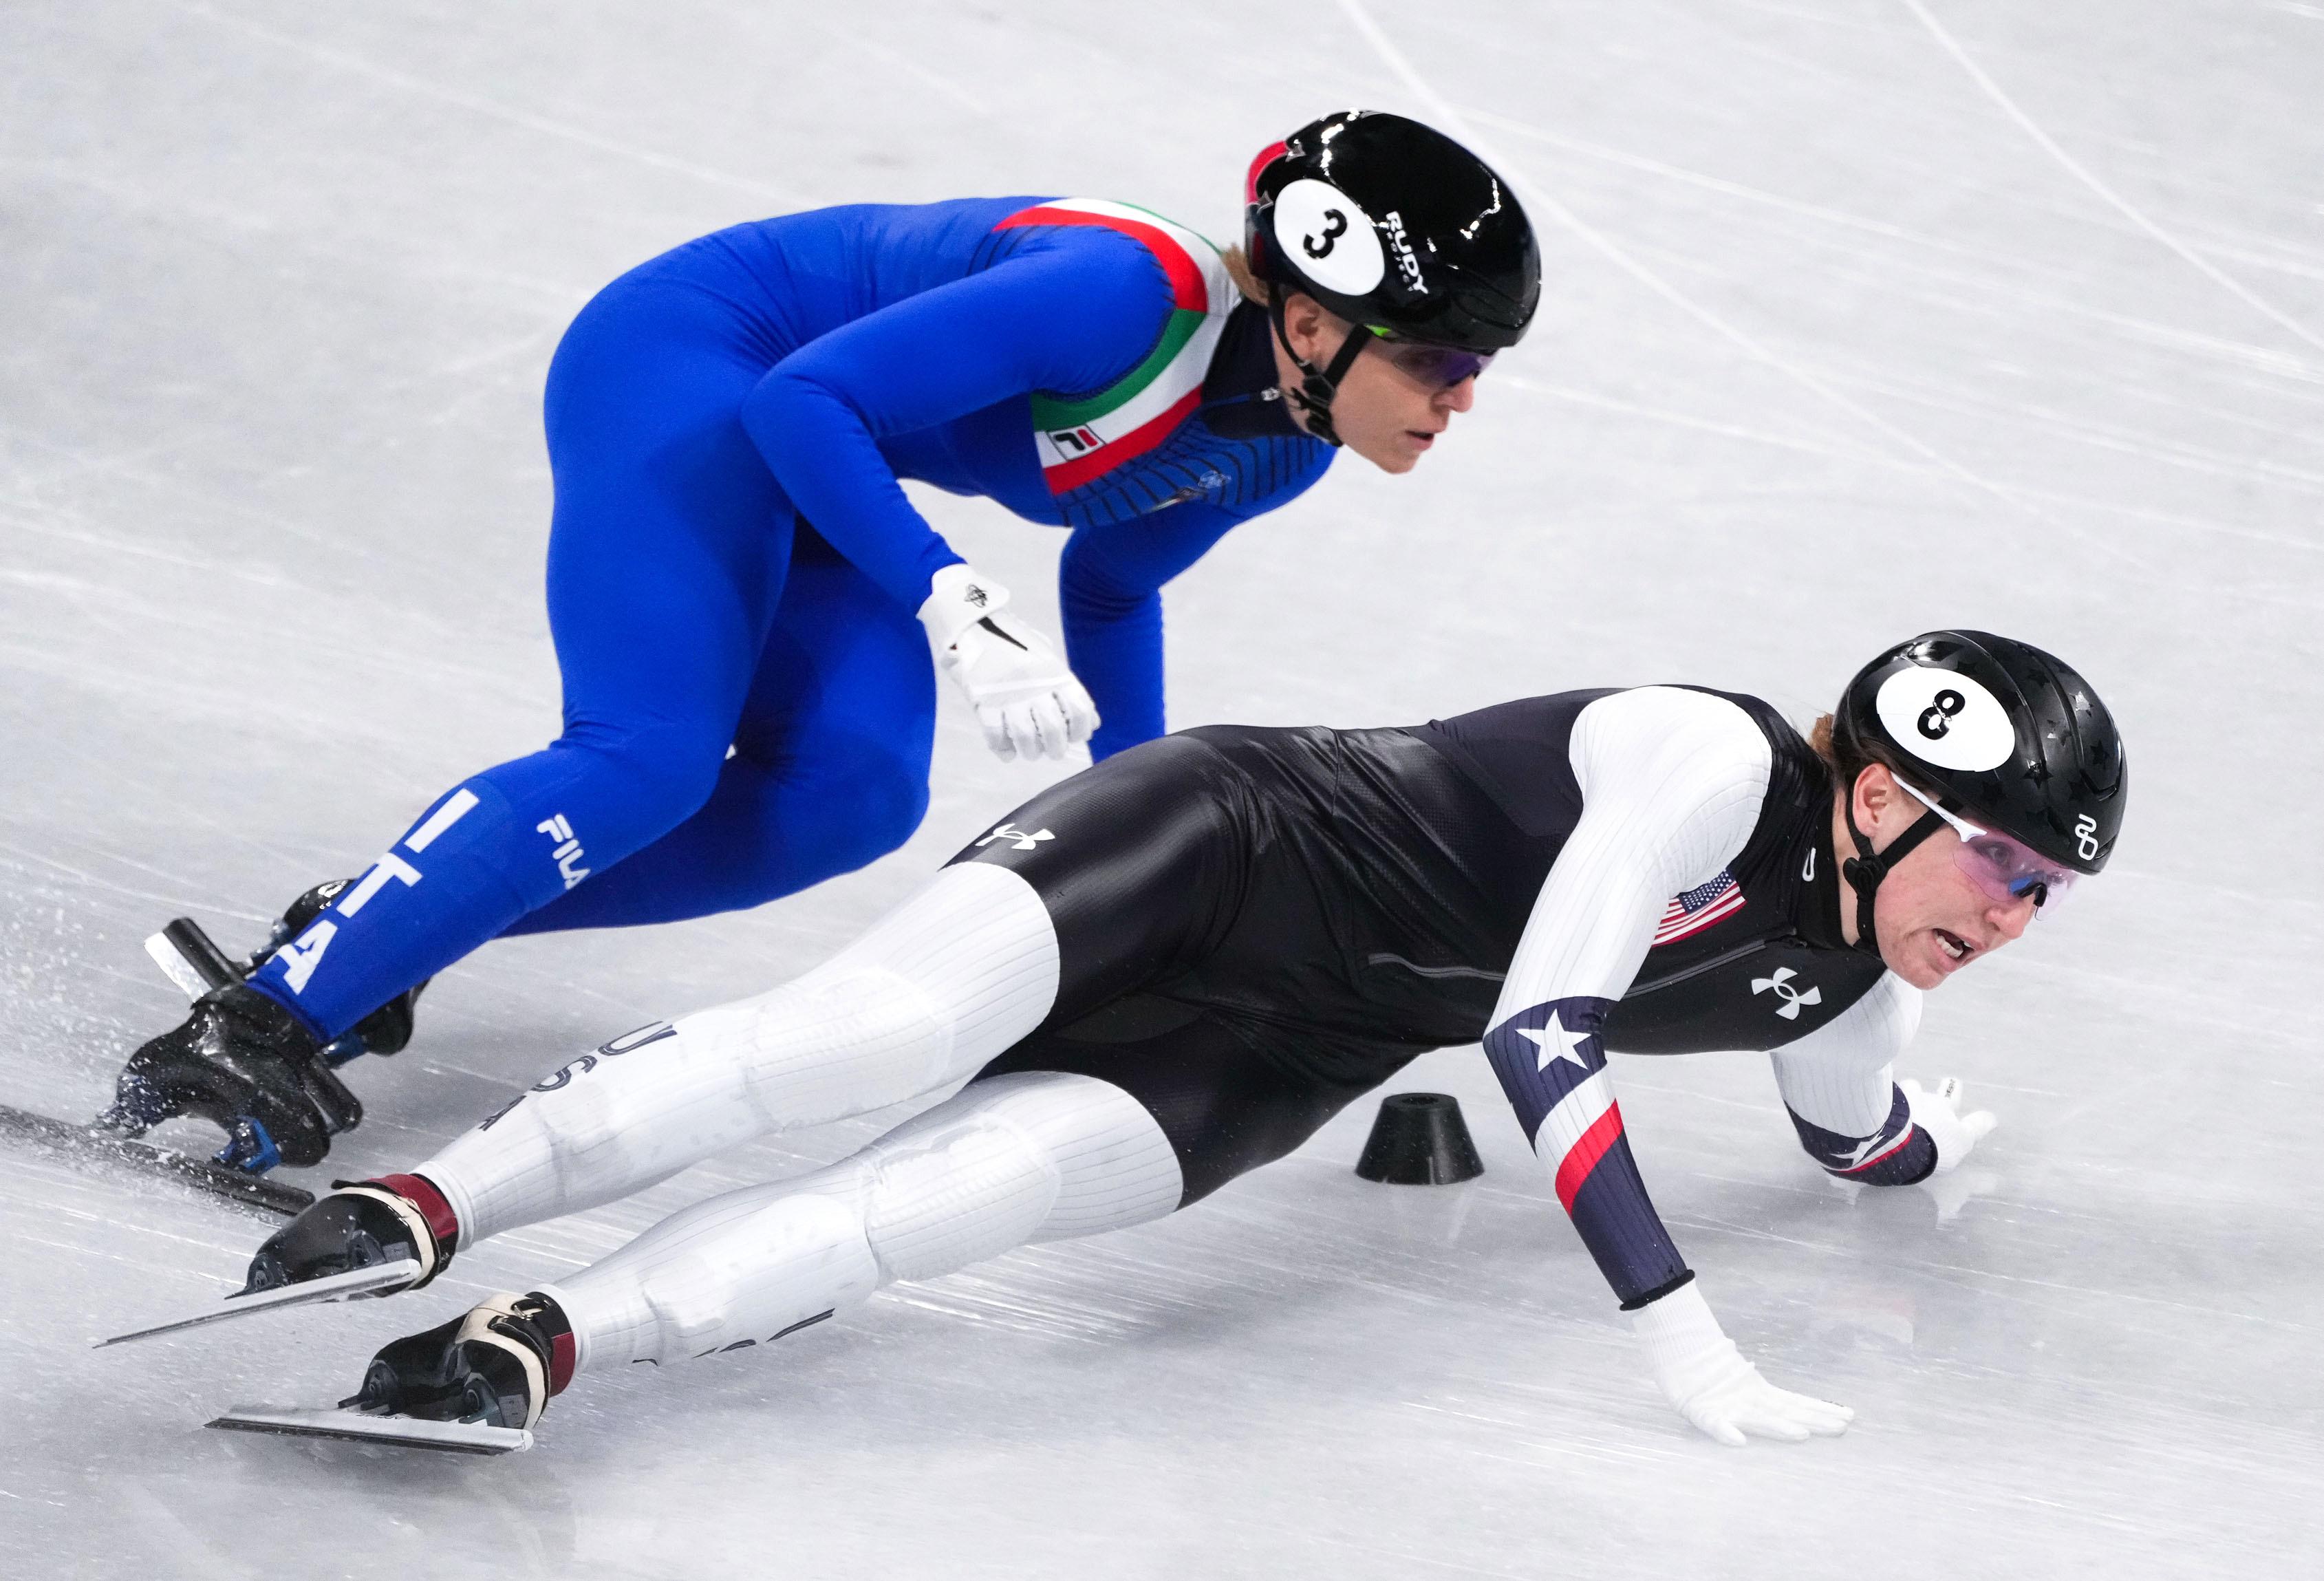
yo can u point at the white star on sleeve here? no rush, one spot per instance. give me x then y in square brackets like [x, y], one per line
[1564, 1044]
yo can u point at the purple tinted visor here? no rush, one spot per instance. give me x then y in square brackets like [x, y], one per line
[2004, 870]
[1440, 367]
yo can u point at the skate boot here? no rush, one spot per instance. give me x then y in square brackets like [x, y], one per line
[246, 1063]
[385, 1030]
[361, 1225]
[497, 1364]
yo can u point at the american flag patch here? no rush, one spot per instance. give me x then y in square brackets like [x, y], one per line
[1698, 908]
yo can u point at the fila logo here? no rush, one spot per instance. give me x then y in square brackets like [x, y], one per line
[568, 852]
[1780, 984]
[1010, 831]
[1076, 441]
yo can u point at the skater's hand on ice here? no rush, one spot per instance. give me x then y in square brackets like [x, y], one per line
[1937, 1111]
[1706, 1377]
[1026, 697]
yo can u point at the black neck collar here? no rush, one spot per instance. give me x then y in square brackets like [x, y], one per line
[1240, 397]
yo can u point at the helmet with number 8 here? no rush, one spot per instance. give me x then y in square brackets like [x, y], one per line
[1998, 731]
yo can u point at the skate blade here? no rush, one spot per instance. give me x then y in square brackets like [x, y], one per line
[380, 1278]
[363, 1427]
[90, 1142]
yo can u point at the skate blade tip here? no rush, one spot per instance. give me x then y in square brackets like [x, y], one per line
[383, 1279]
[370, 1427]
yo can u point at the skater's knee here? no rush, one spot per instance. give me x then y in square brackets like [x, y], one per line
[943, 1196]
[663, 771]
[845, 1039]
[1108, 1158]
[879, 800]
[827, 816]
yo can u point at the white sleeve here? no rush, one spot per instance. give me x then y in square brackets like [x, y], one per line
[1838, 1076]
[1672, 785]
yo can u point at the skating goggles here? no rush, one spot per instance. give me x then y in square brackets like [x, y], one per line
[2004, 870]
[1440, 367]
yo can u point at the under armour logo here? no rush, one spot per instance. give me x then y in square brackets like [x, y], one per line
[1781, 986]
[975, 595]
[1024, 842]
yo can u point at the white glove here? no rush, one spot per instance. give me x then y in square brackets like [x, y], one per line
[1024, 694]
[1938, 1113]
[1702, 1374]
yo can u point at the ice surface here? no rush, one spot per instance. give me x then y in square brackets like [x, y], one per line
[1841, 351]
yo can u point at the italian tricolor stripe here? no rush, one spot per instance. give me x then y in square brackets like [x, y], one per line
[1082, 440]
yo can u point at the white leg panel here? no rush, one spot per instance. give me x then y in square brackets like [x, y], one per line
[1029, 1157]
[944, 983]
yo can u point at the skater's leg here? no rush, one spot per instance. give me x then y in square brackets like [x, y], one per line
[1038, 1156]
[1127, 1132]
[957, 973]
[830, 768]
[665, 565]
[1017, 934]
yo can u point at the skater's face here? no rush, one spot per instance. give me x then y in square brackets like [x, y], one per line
[1393, 401]
[1932, 917]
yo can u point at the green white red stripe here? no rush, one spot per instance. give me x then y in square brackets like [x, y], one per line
[1081, 439]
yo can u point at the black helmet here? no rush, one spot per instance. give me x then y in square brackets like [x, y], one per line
[1999, 733]
[1394, 227]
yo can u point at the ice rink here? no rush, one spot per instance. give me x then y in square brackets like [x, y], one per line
[1865, 316]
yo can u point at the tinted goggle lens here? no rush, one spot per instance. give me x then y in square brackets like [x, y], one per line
[2006, 872]
[1438, 366]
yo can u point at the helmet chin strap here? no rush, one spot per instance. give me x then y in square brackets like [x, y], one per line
[1866, 869]
[1317, 386]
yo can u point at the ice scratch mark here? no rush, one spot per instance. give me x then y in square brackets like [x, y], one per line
[906, 64]
[1713, 1226]
[1404, 1556]
[40, 859]
[1624, 159]
[478, 105]
[2082, 173]
[1448, 116]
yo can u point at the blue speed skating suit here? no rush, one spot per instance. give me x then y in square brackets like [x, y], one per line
[734, 570]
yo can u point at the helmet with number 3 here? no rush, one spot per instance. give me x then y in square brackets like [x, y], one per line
[1394, 226]
[1998, 732]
